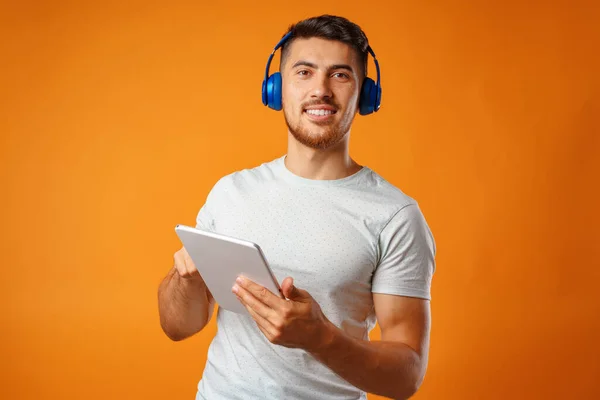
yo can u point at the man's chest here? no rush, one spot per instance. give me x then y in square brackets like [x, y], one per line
[328, 249]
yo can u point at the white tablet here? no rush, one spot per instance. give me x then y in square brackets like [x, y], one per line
[221, 259]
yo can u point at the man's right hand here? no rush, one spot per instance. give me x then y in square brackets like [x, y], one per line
[185, 266]
[186, 269]
[185, 303]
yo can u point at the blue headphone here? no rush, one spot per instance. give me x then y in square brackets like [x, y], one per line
[370, 94]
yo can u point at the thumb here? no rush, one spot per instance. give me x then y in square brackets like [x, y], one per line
[290, 291]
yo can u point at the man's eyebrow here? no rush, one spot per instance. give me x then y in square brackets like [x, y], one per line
[341, 66]
[313, 65]
[304, 63]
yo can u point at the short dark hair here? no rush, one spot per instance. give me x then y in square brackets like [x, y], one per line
[329, 27]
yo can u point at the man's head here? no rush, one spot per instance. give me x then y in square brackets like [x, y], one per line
[323, 65]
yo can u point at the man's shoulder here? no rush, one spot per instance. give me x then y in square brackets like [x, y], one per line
[251, 175]
[388, 191]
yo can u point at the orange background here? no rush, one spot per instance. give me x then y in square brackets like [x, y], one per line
[116, 120]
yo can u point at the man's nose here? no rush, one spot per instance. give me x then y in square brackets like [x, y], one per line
[322, 87]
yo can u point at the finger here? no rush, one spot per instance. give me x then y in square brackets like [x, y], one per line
[261, 293]
[179, 263]
[286, 287]
[182, 266]
[256, 304]
[263, 324]
[292, 292]
[189, 264]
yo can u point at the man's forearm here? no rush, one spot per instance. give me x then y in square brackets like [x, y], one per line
[389, 369]
[184, 306]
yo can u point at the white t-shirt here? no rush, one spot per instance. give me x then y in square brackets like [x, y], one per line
[341, 240]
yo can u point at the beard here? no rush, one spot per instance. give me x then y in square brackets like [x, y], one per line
[331, 133]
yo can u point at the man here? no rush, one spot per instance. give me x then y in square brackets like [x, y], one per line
[349, 248]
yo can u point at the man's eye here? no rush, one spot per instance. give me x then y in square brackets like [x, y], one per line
[303, 72]
[341, 75]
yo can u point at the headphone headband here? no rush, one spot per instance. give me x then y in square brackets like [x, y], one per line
[277, 46]
[370, 50]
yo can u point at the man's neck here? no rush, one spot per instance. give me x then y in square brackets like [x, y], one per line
[332, 163]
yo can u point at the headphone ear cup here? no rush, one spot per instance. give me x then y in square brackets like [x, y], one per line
[368, 97]
[274, 91]
[265, 98]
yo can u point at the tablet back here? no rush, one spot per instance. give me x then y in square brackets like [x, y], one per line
[221, 259]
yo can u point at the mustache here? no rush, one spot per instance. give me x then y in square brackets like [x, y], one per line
[319, 103]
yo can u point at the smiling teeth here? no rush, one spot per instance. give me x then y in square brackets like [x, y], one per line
[319, 112]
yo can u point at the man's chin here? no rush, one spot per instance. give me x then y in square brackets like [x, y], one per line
[316, 134]
[315, 140]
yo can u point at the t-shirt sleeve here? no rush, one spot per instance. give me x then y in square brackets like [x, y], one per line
[205, 219]
[407, 255]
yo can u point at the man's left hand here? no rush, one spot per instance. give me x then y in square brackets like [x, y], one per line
[297, 322]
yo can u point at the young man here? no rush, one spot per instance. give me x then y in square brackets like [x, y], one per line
[353, 250]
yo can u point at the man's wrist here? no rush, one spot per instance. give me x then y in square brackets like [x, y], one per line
[326, 338]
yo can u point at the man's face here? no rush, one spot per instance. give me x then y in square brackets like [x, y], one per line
[321, 84]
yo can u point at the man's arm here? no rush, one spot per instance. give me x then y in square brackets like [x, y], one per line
[185, 304]
[396, 365]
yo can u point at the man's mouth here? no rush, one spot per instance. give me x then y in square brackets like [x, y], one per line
[320, 111]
